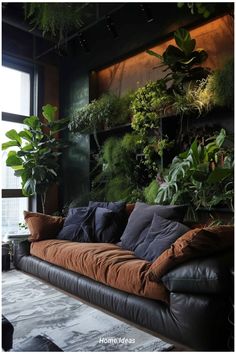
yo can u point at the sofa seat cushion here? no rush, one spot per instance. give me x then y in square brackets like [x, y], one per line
[103, 262]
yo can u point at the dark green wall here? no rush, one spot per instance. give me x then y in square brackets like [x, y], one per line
[75, 160]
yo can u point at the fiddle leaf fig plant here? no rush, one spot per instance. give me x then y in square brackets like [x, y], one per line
[36, 152]
[182, 60]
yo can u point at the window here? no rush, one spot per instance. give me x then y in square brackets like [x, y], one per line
[15, 97]
[16, 105]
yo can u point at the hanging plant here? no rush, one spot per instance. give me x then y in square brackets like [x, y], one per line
[55, 19]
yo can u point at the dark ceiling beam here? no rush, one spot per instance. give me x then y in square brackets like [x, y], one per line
[83, 28]
[21, 26]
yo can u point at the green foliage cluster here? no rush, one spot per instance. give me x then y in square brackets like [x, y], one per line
[55, 19]
[217, 90]
[206, 9]
[197, 99]
[149, 103]
[107, 111]
[221, 85]
[119, 179]
[202, 176]
[36, 152]
[201, 8]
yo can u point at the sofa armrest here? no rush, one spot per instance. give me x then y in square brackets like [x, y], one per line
[20, 250]
[203, 275]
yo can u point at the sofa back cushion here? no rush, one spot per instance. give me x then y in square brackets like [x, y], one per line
[42, 226]
[194, 243]
[161, 234]
[140, 221]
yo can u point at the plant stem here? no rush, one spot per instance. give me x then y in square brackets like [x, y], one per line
[43, 197]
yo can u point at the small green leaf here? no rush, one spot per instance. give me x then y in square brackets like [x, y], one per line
[151, 52]
[49, 112]
[13, 135]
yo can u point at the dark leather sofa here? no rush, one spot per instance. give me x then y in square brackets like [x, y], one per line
[201, 293]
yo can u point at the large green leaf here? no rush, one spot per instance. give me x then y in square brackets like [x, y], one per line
[9, 144]
[26, 134]
[28, 148]
[13, 160]
[32, 121]
[13, 135]
[221, 138]
[218, 175]
[199, 55]
[39, 173]
[194, 154]
[184, 41]
[172, 55]
[49, 112]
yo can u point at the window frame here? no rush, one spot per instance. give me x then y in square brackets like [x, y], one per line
[31, 69]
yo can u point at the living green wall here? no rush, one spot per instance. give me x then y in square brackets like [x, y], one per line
[135, 34]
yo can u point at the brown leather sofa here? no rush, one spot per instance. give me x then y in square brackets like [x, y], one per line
[200, 298]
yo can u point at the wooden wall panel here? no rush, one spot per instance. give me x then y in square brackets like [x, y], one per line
[216, 37]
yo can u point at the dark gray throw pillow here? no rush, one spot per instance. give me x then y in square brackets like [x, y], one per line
[119, 220]
[89, 224]
[105, 228]
[141, 217]
[73, 225]
[162, 233]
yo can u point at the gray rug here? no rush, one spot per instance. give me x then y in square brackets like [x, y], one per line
[35, 308]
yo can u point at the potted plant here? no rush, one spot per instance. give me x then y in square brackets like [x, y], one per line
[36, 152]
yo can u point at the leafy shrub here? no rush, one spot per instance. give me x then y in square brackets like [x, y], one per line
[148, 105]
[221, 84]
[119, 178]
[118, 188]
